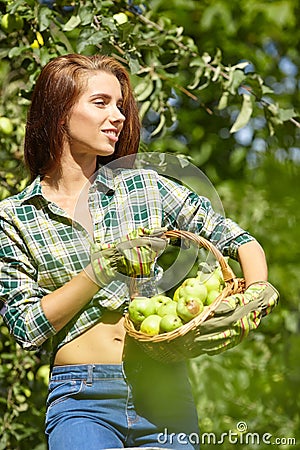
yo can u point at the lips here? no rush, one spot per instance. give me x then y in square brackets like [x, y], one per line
[112, 134]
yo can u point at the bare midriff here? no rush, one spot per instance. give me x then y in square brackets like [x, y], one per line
[102, 344]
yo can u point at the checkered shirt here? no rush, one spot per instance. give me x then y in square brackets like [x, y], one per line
[41, 248]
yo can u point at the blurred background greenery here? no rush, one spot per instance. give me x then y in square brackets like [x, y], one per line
[188, 64]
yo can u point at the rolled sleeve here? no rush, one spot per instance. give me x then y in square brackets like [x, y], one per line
[20, 294]
[234, 244]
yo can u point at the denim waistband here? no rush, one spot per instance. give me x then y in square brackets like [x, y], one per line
[87, 371]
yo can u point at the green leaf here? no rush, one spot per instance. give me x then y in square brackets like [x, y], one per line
[86, 15]
[197, 78]
[244, 115]
[255, 84]
[241, 65]
[206, 58]
[16, 51]
[223, 102]
[266, 90]
[134, 64]
[197, 61]
[144, 108]
[44, 55]
[144, 90]
[286, 114]
[72, 23]
[236, 77]
[12, 7]
[273, 109]
[218, 57]
[94, 39]
[60, 37]
[125, 31]
[44, 18]
[106, 3]
[216, 75]
[4, 52]
[160, 125]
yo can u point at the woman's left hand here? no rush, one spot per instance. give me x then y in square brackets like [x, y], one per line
[140, 249]
[134, 255]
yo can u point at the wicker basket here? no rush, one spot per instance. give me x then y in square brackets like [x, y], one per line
[179, 344]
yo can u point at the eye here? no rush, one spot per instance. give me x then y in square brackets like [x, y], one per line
[121, 109]
[99, 102]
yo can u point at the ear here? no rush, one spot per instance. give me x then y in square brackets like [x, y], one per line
[62, 120]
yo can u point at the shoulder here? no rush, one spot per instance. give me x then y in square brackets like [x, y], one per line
[11, 205]
[136, 179]
[150, 182]
[148, 176]
[132, 174]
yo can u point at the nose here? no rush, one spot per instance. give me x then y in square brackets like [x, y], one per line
[117, 114]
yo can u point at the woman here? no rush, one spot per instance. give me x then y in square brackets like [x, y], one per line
[82, 116]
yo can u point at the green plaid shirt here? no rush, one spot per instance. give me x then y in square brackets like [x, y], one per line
[41, 248]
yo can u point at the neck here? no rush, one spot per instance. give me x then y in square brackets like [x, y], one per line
[71, 175]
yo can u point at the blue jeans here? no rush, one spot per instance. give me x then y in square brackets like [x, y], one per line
[94, 407]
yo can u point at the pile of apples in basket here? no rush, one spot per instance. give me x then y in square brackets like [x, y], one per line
[162, 314]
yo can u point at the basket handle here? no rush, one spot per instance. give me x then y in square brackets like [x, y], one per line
[227, 272]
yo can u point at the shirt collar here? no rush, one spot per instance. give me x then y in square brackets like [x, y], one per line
[105, 181]
[33, 190]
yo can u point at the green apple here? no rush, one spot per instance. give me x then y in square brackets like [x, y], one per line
[120, 18]
[176, 294]
[151, 325]
[159, 300]
[189, 307]
[204, 276]
[11, 22]
[212, 283]
[5, 22]
[219, 273]
[6, 126]
[167, 308]
[170, 322]
[139, 308]
[211, 297]
[43, 374]
[192, 287]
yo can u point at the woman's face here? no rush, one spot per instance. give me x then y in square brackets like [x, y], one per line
[96, 120]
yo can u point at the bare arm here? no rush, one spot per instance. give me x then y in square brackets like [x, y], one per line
[61, 305]
[253, 262]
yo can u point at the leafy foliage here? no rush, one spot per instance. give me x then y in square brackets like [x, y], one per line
[23, 381]
[218, 83]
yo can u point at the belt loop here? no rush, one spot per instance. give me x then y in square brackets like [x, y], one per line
[89, 380]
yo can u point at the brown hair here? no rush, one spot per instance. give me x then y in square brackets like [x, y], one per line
[56, 91]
